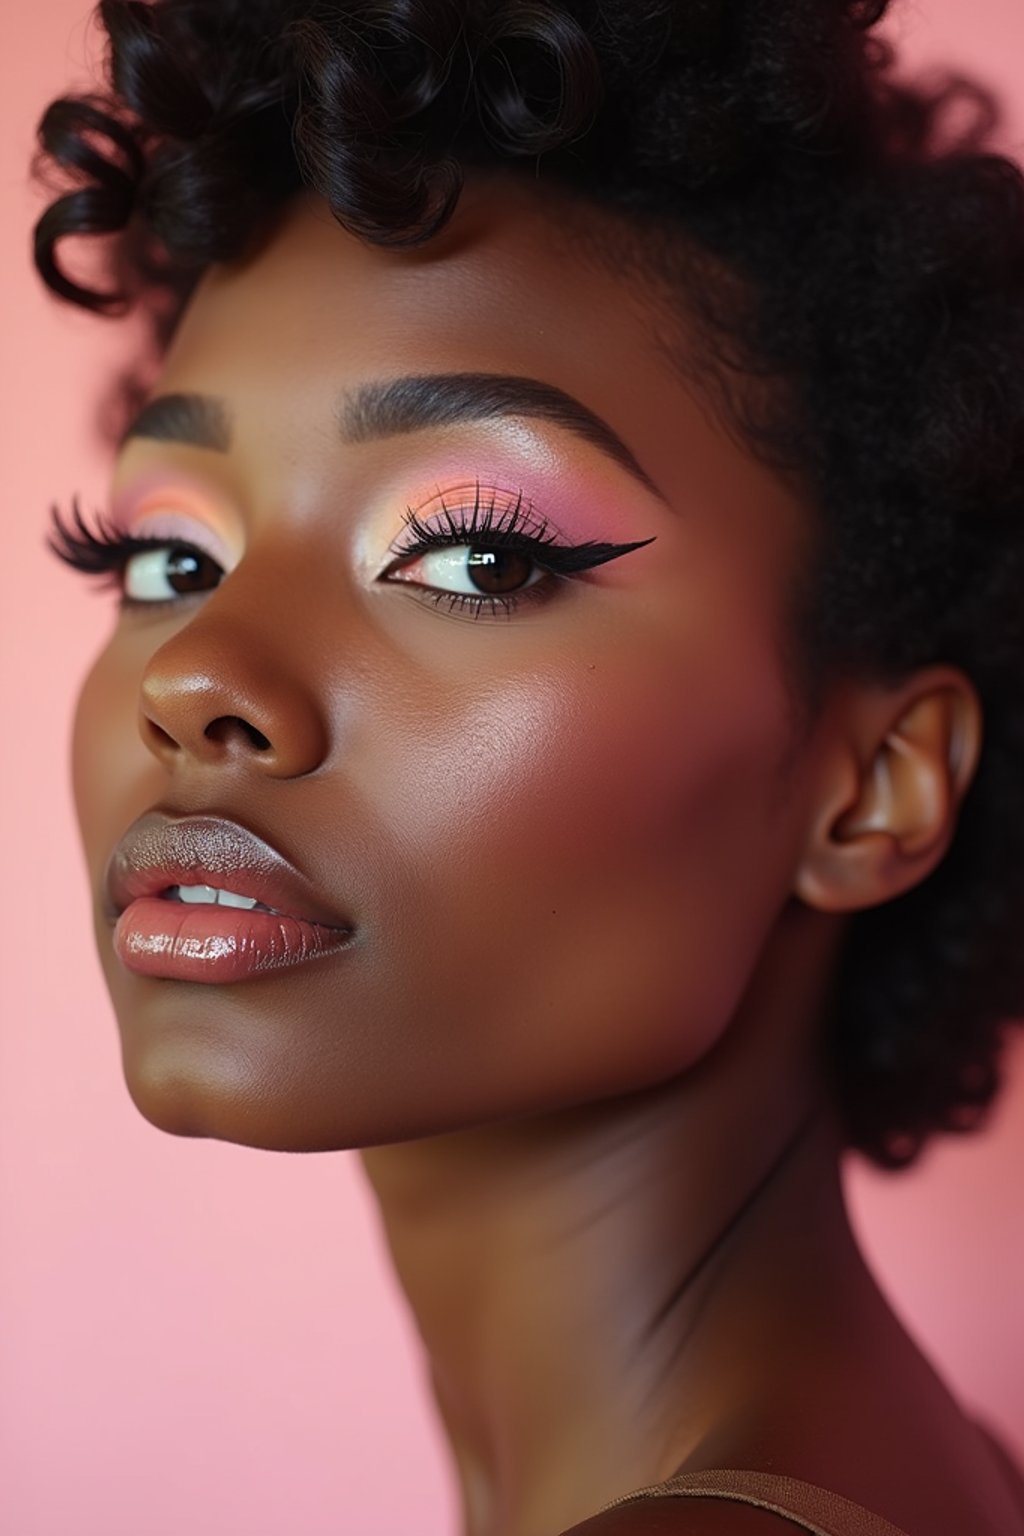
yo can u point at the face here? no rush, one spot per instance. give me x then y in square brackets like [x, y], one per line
[542, 794]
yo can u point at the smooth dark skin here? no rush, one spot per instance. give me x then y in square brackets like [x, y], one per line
[600, 884]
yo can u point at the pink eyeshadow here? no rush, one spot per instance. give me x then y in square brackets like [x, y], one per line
[565, 486]
[159, 505]
[578, 503]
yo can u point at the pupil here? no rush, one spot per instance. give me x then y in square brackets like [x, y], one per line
[188, 571]
[499, 570]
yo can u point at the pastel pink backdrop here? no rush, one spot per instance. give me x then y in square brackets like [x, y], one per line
[202, 1338]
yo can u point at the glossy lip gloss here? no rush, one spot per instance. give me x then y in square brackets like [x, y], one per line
[179, 941]
[157, 934]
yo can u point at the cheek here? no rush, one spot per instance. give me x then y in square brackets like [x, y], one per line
[600, 865]
[111, 768]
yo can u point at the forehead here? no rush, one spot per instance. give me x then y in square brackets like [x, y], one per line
[508, 278]
[506, 288]
[518, 283]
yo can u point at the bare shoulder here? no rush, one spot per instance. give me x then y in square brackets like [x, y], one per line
[683, 1517]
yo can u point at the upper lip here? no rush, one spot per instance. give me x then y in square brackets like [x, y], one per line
[159, 850]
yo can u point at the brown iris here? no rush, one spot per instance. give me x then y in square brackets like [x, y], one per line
[499, 570]
[188, 570]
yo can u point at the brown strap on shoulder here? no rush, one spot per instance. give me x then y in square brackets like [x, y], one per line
[815, 1509]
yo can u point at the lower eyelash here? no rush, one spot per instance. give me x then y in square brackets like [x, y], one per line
[487, 602]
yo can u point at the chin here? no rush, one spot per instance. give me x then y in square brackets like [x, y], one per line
[201, 1087]
[192, 1082]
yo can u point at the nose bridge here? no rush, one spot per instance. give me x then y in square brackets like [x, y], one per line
[233, 683]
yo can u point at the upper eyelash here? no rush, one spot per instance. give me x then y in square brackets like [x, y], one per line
[483, 528]
[480, 524]
[98, 552]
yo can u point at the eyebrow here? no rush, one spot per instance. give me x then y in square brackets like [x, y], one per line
[395, 407]
[202, 421]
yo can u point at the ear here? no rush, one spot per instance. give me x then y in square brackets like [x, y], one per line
[896, 768]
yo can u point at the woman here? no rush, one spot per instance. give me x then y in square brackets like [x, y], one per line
[562, 731]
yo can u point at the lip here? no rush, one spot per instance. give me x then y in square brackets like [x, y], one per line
[203, 942]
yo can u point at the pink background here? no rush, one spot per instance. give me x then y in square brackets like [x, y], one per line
[202, 1338]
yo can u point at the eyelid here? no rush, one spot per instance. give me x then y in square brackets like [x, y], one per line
[181, 528]
[467, 497]
[377, 544]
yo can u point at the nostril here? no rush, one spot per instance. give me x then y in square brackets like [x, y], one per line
[163, 738]
[224, 727]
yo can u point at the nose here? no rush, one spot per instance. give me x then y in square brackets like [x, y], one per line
[219, 693]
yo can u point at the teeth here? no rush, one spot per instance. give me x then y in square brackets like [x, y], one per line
[211, 896]
[231, 899]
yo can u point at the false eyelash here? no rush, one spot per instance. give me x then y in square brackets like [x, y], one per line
[483, 523]
[103, 551]
[487, 526]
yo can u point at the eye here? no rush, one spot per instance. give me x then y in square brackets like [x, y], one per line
[173, 570]
[490, 558]
[145, 570]
[473, 570]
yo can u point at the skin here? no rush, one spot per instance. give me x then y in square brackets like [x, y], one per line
[600, 875]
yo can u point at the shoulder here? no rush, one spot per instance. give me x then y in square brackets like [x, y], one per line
[683, 1517]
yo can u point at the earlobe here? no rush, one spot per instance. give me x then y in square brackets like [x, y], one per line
[892, 793]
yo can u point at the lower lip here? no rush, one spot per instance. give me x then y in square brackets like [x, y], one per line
[186, 941]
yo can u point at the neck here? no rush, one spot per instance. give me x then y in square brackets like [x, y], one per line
[597, 1289]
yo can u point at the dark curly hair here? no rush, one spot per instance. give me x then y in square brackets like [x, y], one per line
[873, 250]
